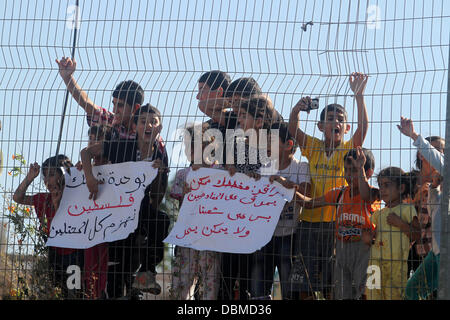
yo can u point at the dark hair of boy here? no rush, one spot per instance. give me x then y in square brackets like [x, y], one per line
[245, 87]
[146, 108]
[124, 150]
[334, 107]
[370, 159]
[130, 92]
[56, 162]
[215, 79]
[259, 108]
[430, 139]
[101, 131]
[284, 134]
[399, 177]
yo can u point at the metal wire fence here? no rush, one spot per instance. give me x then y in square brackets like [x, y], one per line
[292, 49]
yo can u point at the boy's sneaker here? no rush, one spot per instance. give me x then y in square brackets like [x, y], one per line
[146, 282]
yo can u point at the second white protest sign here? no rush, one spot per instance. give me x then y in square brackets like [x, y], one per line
[228, 214]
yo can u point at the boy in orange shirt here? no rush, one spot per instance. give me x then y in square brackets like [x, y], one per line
[353, 216]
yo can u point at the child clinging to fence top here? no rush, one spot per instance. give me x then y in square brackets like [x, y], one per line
[353, 216]
[424, 282]
[143, 249]
[194, 268]
[249, 154]
[212, 86]
[46, 204]
[326, 165]
[255, 116]
[396, 226]
[127, 97]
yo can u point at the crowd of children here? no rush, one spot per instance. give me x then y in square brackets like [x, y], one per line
[339, 236]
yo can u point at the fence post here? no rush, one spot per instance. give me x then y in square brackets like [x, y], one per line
[444, 267]
[66, 98]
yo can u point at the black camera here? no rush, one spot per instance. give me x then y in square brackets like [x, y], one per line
[314, 104]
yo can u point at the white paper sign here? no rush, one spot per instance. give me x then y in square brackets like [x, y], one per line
[82, 223]
[228, 214]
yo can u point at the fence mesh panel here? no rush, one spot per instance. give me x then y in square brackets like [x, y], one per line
[292, 49]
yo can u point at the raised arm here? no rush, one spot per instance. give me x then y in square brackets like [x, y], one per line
[294, 118]
[87, 154]
[358, 82]
[19, 195]
[433, 156]
[368, 193]
[67, 67]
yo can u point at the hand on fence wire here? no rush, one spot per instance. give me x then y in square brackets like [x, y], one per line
[358, 82]
[302, 105]
[360, 158]
[33, 172]
[67, 66]
[406, 127]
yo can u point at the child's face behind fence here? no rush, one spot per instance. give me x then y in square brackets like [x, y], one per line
[205, 92]
[53, 180]
[93, 139]
[148, 126]
[247, 121]
[390, 191]
[284, 150]
[123, 112]
[334, 126]
[351, 174]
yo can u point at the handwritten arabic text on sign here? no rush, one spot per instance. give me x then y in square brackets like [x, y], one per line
[228, 214]
[82, 223]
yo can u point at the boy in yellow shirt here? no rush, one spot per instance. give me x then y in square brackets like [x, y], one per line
[326, 165]
[353, 218]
